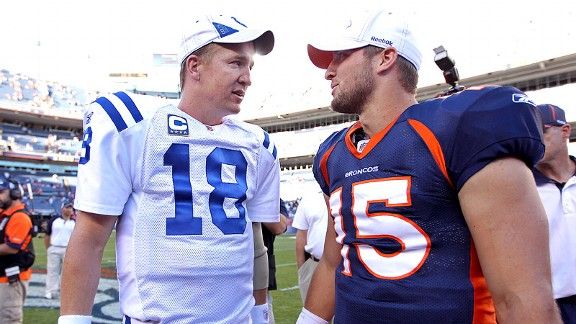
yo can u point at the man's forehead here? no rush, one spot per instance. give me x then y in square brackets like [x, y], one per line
[241, 47]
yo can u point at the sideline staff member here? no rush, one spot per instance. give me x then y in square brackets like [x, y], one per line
[555, 177]
[310, 221]
[56, 241]
[15, 261]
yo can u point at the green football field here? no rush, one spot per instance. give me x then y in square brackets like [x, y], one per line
[286, 299]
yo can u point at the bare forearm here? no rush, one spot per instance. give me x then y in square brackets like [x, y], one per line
[80, 277]
[47, 241]
[321, 293]
[300, 258]
[520, 309]
[277, 228]
[300, 244]
[5, 249]
[81, 271]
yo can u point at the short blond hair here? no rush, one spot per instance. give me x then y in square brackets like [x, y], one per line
[408, 75]
[204, 52]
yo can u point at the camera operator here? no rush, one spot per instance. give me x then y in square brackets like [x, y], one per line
[16, 253]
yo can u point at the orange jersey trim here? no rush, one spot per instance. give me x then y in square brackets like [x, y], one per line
[433, 146]
[324, 165]
[484, 311]
[371, 144]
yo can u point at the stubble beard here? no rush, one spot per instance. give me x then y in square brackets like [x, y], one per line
[352, 101]
[5, 204]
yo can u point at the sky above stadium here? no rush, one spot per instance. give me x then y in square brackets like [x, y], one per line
[81, 42]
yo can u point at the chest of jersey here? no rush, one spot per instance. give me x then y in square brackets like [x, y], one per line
[400, 225]
[189, 220]
[208, 174]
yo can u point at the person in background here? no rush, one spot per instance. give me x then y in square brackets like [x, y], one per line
[58, 232]
[310, 221]
[435, 216]
[269, 233]
[555, 178]
[181, 185]
[16, 253]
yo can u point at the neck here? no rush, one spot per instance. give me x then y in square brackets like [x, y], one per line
[378, 114]
[559, 170]
[202, 115]
[201, 110]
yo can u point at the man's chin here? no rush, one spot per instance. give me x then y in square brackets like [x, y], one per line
[233, 110]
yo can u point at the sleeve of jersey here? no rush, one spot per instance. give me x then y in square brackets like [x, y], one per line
[104, 182]
[503, 122]
[320, 164]
[265, 204]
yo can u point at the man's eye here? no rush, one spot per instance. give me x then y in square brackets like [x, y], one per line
[341, 55]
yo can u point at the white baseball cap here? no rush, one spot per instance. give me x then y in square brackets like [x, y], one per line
[381, 29]
[208, 29]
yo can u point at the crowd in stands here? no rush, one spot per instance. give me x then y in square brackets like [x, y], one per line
[42, 194]
[23, 93]
[39, 143]
[42, 96]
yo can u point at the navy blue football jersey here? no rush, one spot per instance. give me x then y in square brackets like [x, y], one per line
[407, 253]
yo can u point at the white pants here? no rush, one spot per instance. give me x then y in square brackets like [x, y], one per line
[55, 257]
[305, 276]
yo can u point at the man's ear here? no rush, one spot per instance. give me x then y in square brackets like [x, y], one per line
[387, 58]
[192, 66]
[566, 130]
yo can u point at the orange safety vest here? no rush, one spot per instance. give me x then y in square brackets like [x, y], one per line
[17, 230]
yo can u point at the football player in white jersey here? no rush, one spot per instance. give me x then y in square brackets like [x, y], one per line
[182, 186]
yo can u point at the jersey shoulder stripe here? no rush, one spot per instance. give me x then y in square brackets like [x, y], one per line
[261, 137]
[129, 103]
[113, 113]
[269, 145]
[121, 109]
[433, 146]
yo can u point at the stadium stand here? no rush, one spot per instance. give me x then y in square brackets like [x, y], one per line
[42, 193]
[27, 92]
[36, 141]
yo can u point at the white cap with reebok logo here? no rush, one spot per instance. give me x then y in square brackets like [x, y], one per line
[381, 29]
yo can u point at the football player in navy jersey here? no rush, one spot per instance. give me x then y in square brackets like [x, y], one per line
[182, 184]
[435, 217]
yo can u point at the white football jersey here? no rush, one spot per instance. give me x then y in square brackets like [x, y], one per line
[186, 194]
